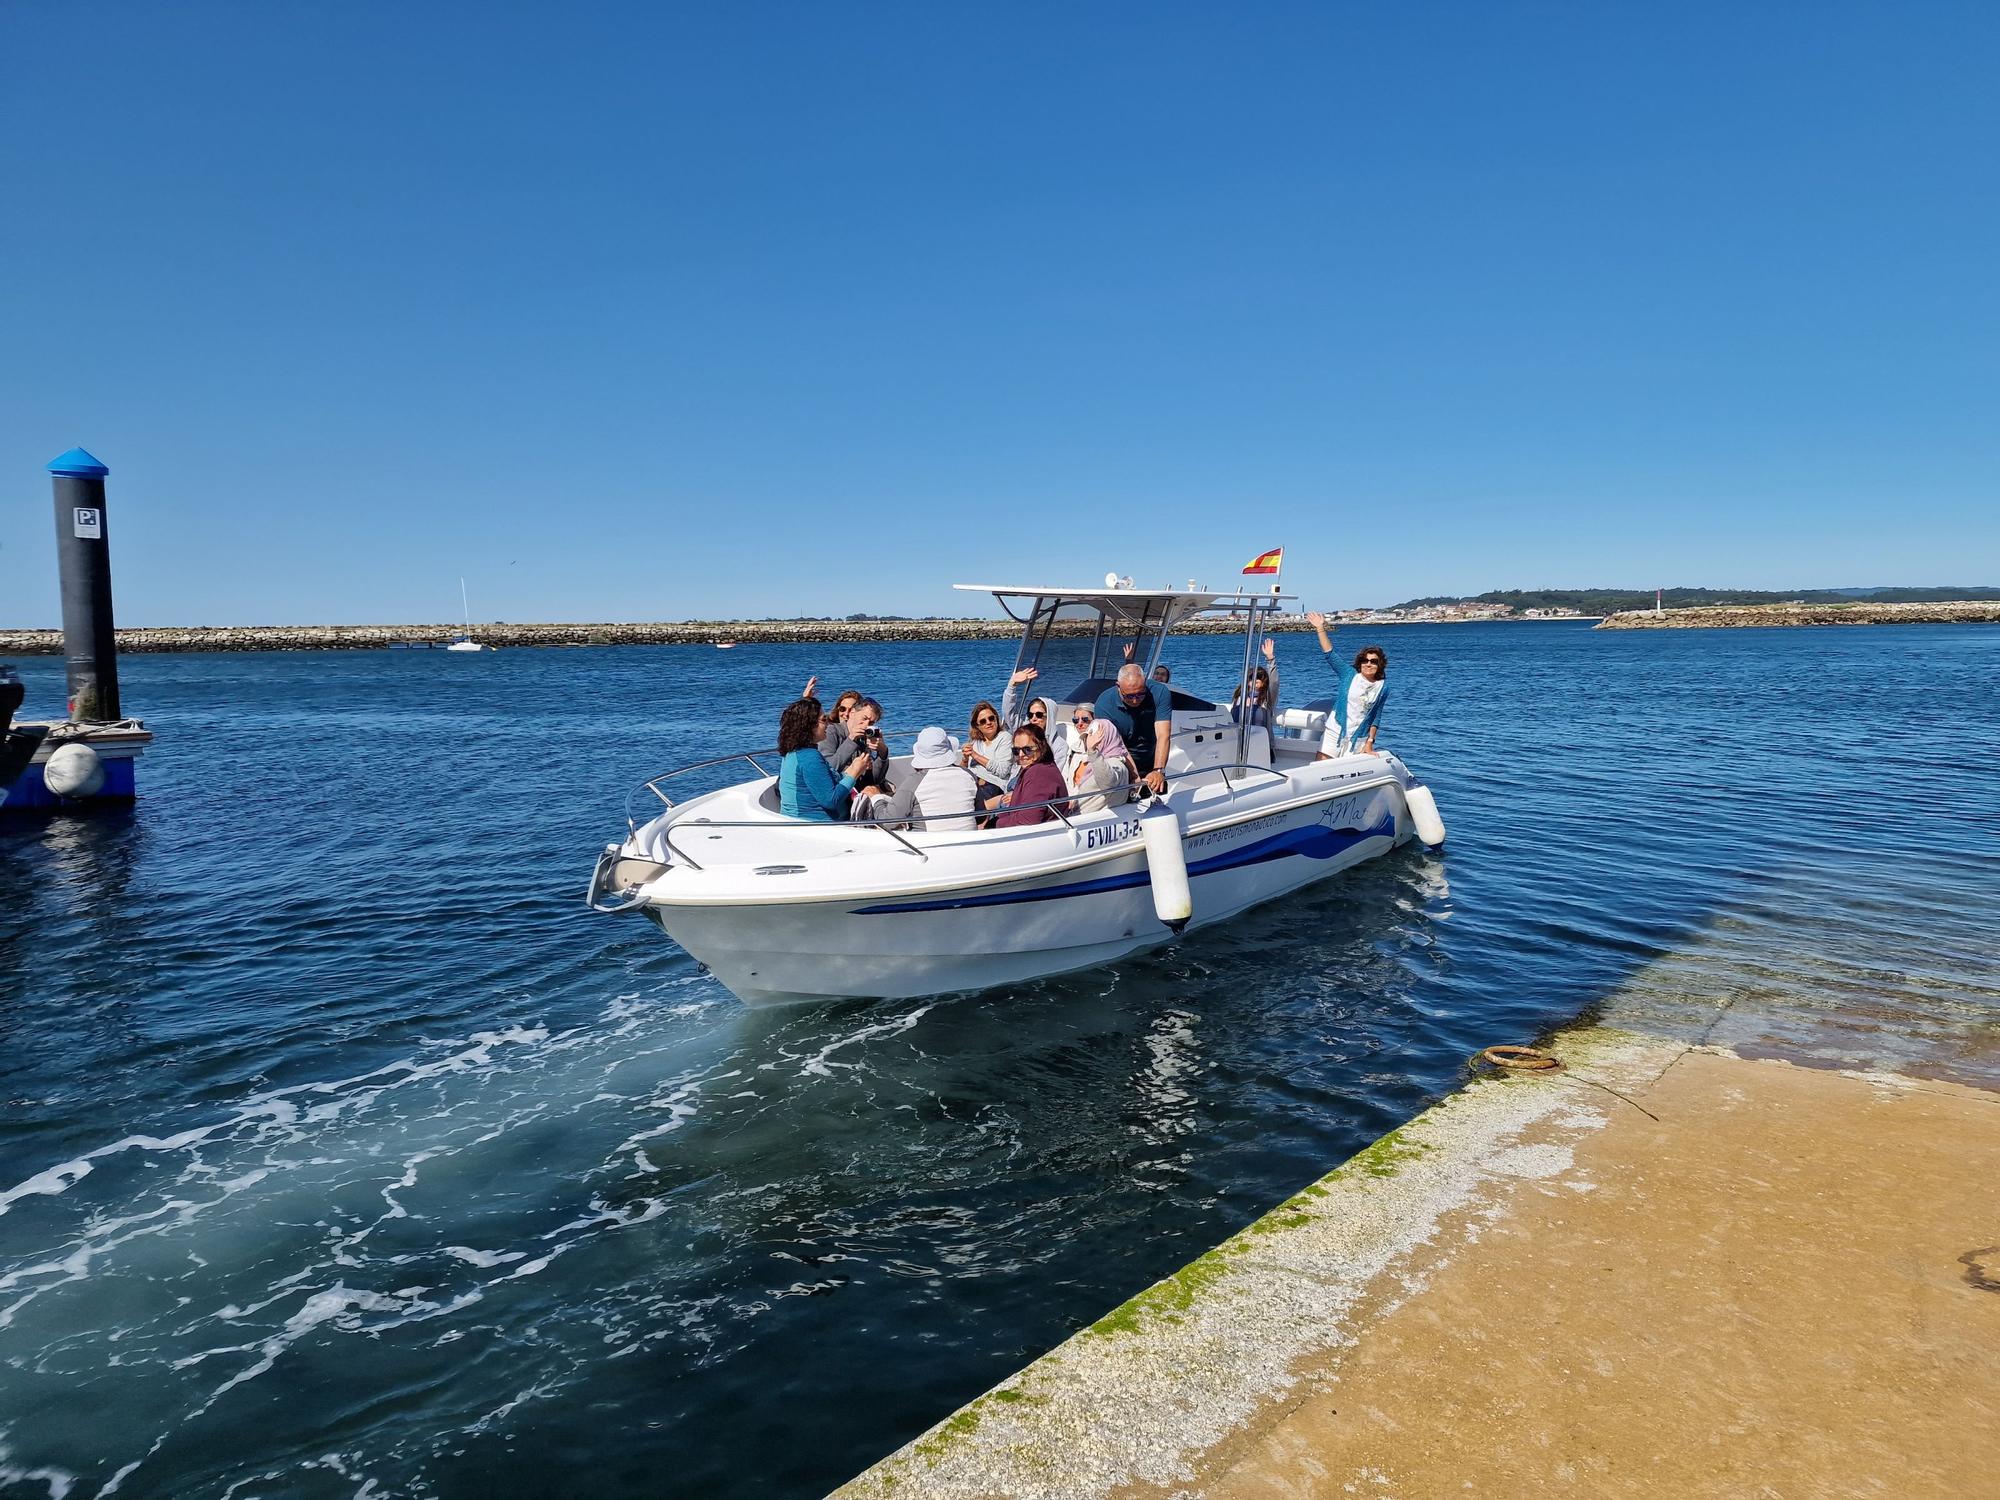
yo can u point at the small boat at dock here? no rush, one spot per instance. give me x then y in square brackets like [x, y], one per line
[60, 764]
[782, 910]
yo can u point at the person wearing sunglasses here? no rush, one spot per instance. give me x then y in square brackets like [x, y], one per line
[1042, 714]
[1013, 712]
[1038, 782]
[1263, 706]
[1357, 701]
[1042, 711]
[987, 754]
[1101, 770]
[1066, 740]
[839, 745]
[1143, 712]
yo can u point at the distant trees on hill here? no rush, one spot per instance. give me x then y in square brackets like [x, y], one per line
[1612, 601]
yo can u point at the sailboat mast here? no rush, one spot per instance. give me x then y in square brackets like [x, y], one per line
[465, 605]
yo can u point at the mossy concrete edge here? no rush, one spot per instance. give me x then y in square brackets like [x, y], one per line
[1163, 1377]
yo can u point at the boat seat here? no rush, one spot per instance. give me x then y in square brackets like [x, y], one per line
[1305, 723]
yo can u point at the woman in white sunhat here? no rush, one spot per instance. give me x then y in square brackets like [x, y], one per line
[938, 792]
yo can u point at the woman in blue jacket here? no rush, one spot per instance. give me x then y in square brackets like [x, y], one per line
[806, 785]
[1357, 701]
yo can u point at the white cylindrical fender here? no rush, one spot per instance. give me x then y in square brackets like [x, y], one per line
[74, 770]
[1424, 814]
[1173, 902]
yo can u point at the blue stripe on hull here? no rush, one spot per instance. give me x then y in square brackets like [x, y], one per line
[30, 793]
[1312, 843]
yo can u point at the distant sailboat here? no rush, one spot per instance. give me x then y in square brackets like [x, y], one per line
[466, 642]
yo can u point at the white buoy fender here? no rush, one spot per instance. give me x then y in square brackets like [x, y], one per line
[74, 771]
[1424, 814]
[1160, 827]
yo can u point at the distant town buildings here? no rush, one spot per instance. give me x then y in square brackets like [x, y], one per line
[1450, 614]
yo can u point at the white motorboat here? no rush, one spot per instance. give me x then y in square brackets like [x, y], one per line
[780, 909]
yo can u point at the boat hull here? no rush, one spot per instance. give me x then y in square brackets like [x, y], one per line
[998, 932]
[25, 750]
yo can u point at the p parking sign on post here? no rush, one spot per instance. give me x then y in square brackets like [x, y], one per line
[83, 556]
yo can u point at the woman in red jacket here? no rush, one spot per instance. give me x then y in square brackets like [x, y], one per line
[1038, 781]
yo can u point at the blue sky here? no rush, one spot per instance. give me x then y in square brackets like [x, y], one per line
[649, 311]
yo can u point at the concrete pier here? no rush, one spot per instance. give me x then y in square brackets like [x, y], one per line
[1666, 1270]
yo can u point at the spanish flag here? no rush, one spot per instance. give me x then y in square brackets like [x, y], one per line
[1266, 562]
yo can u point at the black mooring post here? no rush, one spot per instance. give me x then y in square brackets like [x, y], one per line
[83, 554]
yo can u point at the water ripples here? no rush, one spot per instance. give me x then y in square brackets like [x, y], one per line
[345, 1153]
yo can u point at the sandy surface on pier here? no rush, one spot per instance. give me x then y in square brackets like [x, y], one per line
[1668, 1270]
[1787, 1284]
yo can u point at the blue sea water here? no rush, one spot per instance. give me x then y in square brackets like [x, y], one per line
[344, 1152]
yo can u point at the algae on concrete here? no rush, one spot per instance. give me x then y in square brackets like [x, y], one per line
[1175, 1369]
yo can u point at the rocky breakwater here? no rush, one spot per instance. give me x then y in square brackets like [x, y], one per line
[1952, 612]
[661, 633]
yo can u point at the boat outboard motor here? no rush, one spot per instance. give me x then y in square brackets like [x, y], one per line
[1173, 903]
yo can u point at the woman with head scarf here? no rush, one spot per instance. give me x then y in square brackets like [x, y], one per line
[1102, 769]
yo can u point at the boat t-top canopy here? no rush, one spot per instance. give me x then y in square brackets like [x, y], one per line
[1091, 632]
[1122, 603]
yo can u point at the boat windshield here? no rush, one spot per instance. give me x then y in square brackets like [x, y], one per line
[1073, 641]
[1077, 639]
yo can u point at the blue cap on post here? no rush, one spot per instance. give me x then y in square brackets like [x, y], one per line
[77, 464]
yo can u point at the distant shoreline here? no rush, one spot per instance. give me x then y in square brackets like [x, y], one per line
[197, 638]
